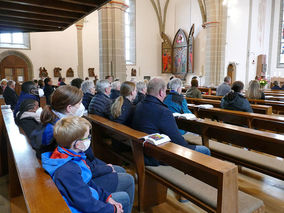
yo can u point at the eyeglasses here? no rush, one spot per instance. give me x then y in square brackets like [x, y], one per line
[82, 139]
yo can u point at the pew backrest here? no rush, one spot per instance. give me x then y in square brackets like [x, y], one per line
[250, 120]
[262, 109]
[40, 192]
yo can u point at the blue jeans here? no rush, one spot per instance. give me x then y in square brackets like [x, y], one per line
[125, 184]
[202, 149]
[123, 198]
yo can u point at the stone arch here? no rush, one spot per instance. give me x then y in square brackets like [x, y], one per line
[22, 56]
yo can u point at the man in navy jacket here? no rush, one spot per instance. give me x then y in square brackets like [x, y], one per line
[10, 95]
[101, 102]
[152, 116]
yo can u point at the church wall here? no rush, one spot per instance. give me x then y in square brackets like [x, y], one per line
[180, 14]
[91, 44]
[52, 49]
[246, 41]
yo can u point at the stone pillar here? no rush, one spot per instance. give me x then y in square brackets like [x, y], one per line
[79, 26]
[216, 41]
[112, 40]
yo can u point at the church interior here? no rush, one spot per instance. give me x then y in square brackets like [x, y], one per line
[176, 54]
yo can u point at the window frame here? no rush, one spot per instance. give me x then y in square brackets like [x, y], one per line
[26, 45]
[132, 29]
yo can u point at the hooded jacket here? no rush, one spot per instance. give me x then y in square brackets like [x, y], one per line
[23, 96]
[177, 103]
[73, 179]
[235, 101]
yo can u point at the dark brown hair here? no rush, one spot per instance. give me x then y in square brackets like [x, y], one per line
[194, 83]
[60, 99]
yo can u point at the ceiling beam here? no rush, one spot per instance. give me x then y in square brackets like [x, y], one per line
[35, 10]
[28, 26]
[90, 3]
[32, 22]
[4, 29]
[52, 4]
[31, 16]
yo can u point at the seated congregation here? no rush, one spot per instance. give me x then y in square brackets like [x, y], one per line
[61, 136]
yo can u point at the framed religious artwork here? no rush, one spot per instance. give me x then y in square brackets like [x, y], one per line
[70, 72]
[91, 72]
[133, 72]
[190, 56]
[180, 53]
[56, 72]
[166, 54]
[43, 72]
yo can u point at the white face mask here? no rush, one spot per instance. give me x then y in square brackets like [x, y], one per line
[38, 111]
[85, 145]
[80, 111]
[40, 92]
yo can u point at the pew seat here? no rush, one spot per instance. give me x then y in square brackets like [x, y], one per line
[266, 163]
[205, 192]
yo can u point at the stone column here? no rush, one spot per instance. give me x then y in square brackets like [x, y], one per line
[79, 26]
[216, 41]
[112, 40]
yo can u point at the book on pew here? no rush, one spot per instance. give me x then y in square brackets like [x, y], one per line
[191, 105]
[187, 116]
[205, 106]
[156, 139]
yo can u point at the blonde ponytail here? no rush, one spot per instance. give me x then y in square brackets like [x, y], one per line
[126, 89]
[116, 107]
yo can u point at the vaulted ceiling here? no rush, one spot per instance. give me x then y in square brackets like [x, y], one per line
[44, 15]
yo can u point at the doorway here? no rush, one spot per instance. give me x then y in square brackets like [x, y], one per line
[14, 68]
[231, 71]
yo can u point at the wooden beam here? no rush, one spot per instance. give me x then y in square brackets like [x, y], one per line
[28, 26]
[31, 16]
[90, 3]
[35, 10]
[5, 29]
[32, 22]
[52, 4]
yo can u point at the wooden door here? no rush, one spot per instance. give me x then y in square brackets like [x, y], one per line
[14, 68]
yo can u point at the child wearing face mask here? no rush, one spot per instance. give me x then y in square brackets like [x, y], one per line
[72, 176]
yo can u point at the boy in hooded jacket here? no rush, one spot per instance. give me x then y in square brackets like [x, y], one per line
[72, 176]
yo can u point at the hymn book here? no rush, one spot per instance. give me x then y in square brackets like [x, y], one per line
[187, 116]
[156, 139]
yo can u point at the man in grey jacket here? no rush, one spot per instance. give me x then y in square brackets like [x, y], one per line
[225, 87]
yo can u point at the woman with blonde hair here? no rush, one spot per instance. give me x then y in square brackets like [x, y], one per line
[122, 109]
[254, 91]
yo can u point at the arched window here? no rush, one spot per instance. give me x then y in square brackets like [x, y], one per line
[130, 32]
[15, 40]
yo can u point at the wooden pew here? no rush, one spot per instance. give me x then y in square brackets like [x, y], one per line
[27, 179]
[269, 143]
[250, 120]
[207, 173]
[262, 109]
[277, 106]
[2, 101]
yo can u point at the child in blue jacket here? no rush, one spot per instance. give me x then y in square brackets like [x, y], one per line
[72, 176]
